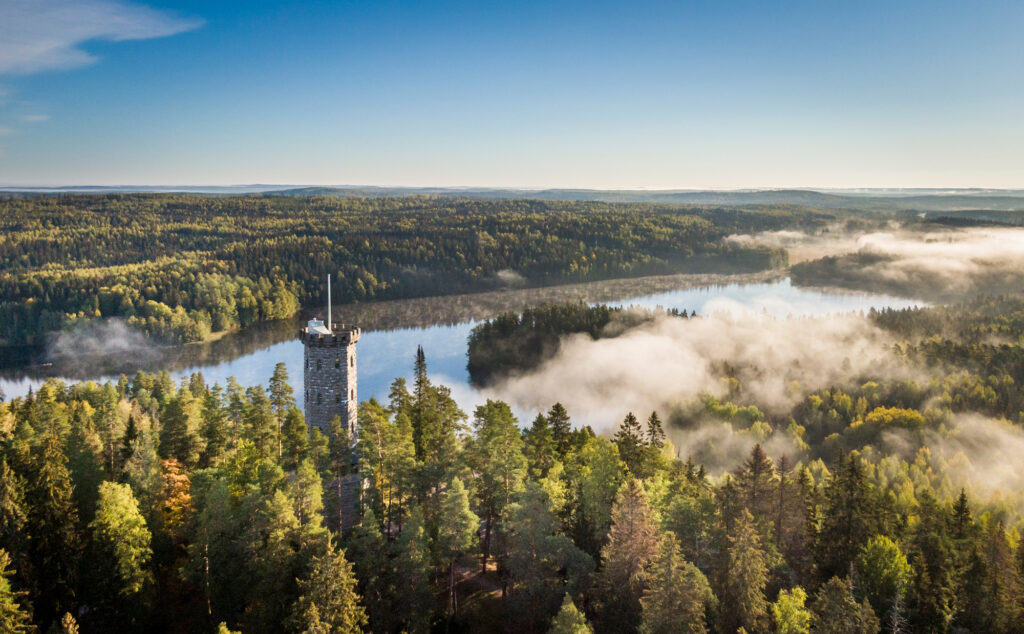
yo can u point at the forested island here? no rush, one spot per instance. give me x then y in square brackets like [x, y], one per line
[145, 505]
[516, 342]
[180, 267]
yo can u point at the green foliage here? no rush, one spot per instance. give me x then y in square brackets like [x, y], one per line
[837, 612]
[882, 575]
[677, 595]
[182, 267]
[327, 598]
[569, 620]
[789, 612]
[120, 532]
[14, 618]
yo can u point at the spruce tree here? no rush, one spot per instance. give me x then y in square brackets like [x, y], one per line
[540, 448]
[328, 601]
[561, 427]
[743, 604]
[677, 594]
[655, 431]
[629, 440]
[14, 617]
[53, 520]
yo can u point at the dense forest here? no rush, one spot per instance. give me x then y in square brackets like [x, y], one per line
[517, 342]
[180, 267]
[145, 505]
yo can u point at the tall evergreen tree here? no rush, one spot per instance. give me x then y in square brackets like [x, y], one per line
[281, 400]
[457, 526]
[837, 612]
[53, 520]
[14, 617]
[629, 440]
[328, 601]
[540, 448]
[677, 595]
[632, 545]
[561, 427]
[743, 604]
[496, 458]
[655, 431]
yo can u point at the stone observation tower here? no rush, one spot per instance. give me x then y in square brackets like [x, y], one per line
[329, 380]
[329, 375]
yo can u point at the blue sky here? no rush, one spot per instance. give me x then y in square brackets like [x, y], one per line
[524, 94]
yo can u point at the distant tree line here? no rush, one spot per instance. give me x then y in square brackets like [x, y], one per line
[180, 267]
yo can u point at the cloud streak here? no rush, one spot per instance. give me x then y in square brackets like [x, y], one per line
[41, 35]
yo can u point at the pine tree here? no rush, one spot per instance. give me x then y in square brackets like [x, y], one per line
[569, 620]
[496, 459]
[540, 563]
[295, 439]
[412, 568]
[632, 545]
[743, 603]
[328, 600]
[14, 618]
[677, 594]
[457, 526]
[281, 399]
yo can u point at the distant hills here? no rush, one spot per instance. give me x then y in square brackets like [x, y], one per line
[882, 200]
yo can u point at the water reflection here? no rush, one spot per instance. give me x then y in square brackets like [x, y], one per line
[393, 329]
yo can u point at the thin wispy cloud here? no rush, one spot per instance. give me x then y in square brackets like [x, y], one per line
[39, 35]
[35, 118]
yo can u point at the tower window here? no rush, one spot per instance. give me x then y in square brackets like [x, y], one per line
[351, 362]
[319, 400]
[352, 396]
[337, 362]
[318, 365]
[337, 397]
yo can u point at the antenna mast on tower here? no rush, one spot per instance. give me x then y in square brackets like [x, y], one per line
[329, 303]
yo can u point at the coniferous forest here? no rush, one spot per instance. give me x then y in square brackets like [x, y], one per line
[181, 267]
[145, 505]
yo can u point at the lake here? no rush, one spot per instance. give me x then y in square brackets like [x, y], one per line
[392, 330]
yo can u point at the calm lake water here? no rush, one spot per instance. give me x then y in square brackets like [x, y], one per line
[392, 330]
